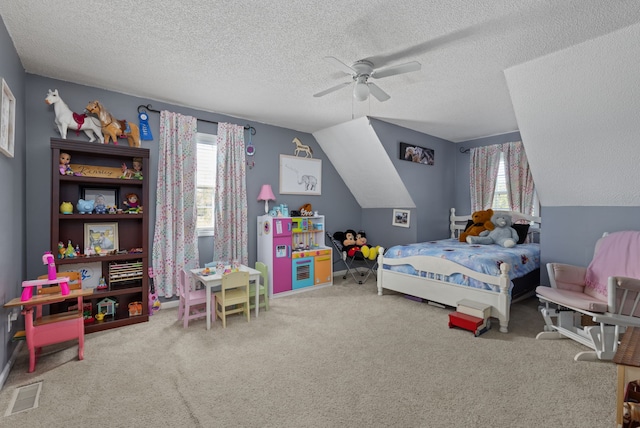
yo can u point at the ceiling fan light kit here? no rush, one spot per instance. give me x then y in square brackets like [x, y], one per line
[361, 89]
[361, 71]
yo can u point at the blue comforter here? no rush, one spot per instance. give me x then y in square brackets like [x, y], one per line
[523, 258]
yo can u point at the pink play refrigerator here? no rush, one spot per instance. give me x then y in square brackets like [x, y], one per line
[274, 250]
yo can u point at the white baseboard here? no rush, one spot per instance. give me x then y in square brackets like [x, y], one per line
[169, 304]
[7, 369]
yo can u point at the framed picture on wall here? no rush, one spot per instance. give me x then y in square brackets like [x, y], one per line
[300, 176]
[7, 120]
[417, 154]
[401, 218]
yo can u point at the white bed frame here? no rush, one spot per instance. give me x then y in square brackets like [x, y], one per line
[433, 288]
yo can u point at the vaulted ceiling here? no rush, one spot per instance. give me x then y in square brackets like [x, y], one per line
[263, 61]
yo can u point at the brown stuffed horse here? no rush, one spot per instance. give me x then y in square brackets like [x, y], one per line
[113, 128]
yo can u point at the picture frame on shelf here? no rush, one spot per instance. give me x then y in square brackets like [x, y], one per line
[103, 236]
[7, 120]
[401, 218]
[108, 197]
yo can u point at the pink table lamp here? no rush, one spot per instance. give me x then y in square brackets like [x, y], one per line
[266, 195]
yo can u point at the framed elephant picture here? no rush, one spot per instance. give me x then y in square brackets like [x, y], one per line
[300, 176]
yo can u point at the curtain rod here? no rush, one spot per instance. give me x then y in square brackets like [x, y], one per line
[149, 108]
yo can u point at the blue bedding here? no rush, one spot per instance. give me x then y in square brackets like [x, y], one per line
[523, 258]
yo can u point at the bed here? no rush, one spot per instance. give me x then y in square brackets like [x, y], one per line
[447, 271]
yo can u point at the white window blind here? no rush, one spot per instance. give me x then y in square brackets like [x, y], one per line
[500, 197]
[206, 182]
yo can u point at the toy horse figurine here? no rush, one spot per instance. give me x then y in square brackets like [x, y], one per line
[66, 119]
[113, 128]
[302, 148]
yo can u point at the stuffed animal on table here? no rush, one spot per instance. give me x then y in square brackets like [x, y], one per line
[502, 234]
[480, 221]
[368, 251]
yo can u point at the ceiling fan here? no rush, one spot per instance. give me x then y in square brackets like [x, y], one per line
[363, 70]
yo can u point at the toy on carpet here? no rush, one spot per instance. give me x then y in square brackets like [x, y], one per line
[480, 221]
[154, 302]
[503, 234]
[66, 119]
[113, 128]
[368, 251]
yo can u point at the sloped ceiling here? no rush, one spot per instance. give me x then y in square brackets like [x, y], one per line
[263, 60]
[579, 116]
[356, 139]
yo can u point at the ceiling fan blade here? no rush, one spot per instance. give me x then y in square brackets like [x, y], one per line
[341, 65]
[332, 89]
[377, 92]
[396, 69]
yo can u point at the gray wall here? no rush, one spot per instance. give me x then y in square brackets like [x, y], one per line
[431, 188]
[12, 195]
[269, 143]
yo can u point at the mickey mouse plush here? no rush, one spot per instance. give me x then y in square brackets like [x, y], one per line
[348, 239]
[368, 251]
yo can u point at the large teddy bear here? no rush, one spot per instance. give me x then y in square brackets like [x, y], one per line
[481, 221]
[503, 234]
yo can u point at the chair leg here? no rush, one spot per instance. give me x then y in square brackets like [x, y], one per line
[180, 308]
[80, 339]
[185, 315]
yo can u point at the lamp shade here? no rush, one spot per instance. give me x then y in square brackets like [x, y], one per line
[266, 195]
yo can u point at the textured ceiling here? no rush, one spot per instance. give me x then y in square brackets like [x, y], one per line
[583, 146]
[263, 61]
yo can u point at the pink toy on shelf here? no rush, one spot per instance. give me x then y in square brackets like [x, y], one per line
[28, 286]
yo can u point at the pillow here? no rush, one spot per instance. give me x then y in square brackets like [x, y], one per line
[523, 230]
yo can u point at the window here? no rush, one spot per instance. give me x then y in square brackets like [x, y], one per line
[500, 196]
[206, 182]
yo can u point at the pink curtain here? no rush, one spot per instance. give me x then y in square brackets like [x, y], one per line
[483, 174]
[230, 242]
[520, 185]
[175, 243]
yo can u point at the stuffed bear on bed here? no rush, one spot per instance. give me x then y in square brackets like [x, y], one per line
[480, 221]
[503, 234]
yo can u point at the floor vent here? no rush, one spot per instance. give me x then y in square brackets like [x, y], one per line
[24, 398]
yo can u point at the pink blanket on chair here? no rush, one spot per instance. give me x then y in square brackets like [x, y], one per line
[618, 254]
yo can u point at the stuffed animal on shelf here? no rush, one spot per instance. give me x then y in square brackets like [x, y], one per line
[368, 251]
[502, 234]
[480, 221]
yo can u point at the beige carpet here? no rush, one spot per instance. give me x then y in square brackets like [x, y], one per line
[334, 357]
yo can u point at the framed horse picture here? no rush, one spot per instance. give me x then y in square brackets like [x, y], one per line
[417, 154]
[300, 176]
